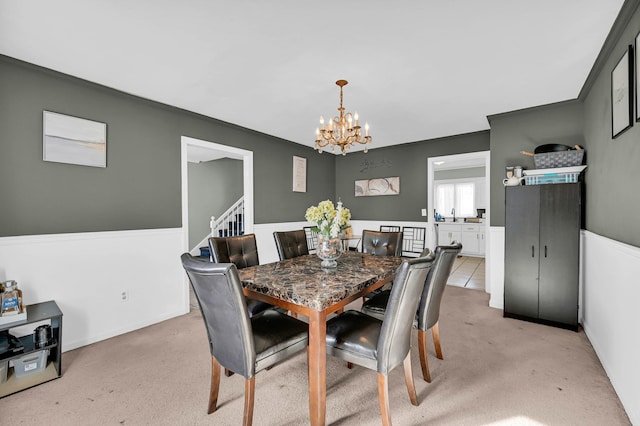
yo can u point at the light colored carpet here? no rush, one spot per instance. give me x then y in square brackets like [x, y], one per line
[495, 371]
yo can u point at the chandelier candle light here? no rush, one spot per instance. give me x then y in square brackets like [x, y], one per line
[329, 223]
[343, 130]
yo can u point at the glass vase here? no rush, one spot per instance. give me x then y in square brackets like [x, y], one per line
[329, 249]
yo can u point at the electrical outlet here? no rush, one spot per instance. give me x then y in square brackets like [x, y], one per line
[124, 296]
[424, 212]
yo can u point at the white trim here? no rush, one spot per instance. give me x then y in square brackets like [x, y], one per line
[609, 302]
[247, 172]
[486, 155]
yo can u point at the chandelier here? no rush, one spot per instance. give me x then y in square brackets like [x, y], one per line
[341, 131]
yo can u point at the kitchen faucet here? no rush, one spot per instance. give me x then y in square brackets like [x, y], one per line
[453, 212]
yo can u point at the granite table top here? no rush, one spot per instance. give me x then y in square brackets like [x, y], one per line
[303, 282]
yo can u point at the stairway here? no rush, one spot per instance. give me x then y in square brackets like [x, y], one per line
[234, 228]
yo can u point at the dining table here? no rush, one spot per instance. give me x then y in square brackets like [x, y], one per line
[302, 286]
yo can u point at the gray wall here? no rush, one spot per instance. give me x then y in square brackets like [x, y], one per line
[140, 188]
[522, 131]
[612, 179]
[213, 187]
[409, 162]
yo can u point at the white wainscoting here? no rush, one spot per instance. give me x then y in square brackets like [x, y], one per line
[611, 299]
[494, 263]
[86, 273]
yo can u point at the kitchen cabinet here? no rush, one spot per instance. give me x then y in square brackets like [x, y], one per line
[448, 232]
[542, 243]
[472, 239]
[471, 235]
[47, 312]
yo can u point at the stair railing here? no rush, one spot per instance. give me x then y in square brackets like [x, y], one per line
[228, 224]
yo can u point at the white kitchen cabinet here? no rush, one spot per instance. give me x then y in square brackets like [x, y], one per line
[448, 232]
[471, 235]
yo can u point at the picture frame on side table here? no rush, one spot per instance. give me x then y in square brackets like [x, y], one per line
[73, 140]
[621, 84]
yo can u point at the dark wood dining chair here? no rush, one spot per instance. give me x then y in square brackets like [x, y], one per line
[291, 244]
[382, 345]
[413, 240]
[312, 238]
[242, 251]
[241, 344]
[382, 243]
[428, 312]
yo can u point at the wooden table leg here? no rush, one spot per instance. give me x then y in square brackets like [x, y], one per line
[317, 368]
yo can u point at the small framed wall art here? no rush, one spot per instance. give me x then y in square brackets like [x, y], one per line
[73, 140]
[621, 84]
[299, 174]
[377, 186]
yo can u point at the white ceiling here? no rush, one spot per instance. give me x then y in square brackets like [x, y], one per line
[416, 69]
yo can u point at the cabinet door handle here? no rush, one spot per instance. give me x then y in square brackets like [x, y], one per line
[545, 251]
[533, 251]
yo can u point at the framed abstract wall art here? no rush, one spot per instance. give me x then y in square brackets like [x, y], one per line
[377, 186]
[73, 140]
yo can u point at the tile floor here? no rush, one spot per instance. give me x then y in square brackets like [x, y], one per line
[467, 272]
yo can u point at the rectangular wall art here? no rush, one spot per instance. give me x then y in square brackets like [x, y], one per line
[74, 140]
[378, 186]
[621, 84]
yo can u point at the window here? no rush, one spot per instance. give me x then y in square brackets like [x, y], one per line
[458, 195]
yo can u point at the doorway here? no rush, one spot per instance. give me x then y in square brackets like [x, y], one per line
[460, 161]
[201, 150]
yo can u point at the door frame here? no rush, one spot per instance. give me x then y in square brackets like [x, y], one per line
[247, 172]
[485, 156]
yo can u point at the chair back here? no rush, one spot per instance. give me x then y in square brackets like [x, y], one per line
[413, 240]
[240, 250]
[395, 335]
[218, 288]
[382, 243]
[291, 244]
[429, 307]
[312, 238]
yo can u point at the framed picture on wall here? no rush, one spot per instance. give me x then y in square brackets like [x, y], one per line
[637, 75]
[299, 174]
[621, 84]
[377, 186]
[73, 140]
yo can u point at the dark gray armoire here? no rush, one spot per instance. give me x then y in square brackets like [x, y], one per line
[542, 248]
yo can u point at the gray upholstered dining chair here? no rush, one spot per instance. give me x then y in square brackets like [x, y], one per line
[382, 243]
[382, 345]
[241, 344]
[428, 312]
[291, 244]
[242, 251]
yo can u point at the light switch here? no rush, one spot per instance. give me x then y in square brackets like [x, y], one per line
[424, 212]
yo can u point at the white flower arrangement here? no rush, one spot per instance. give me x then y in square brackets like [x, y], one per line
[329, 220]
